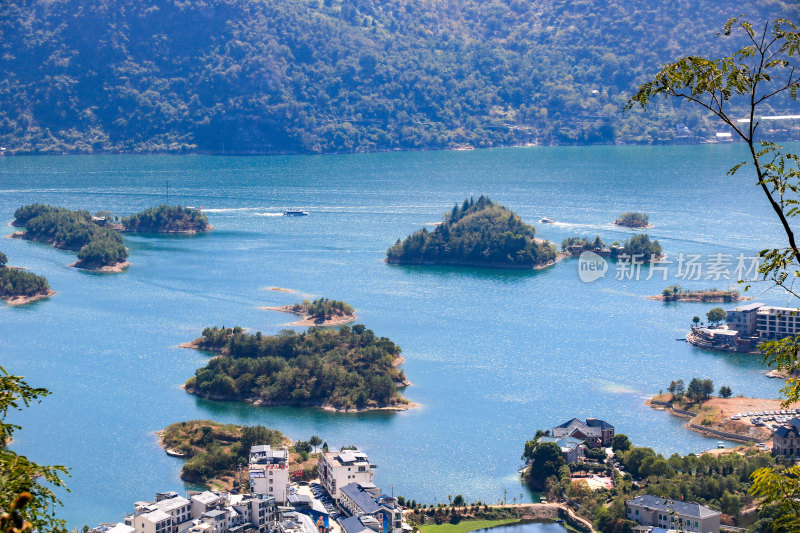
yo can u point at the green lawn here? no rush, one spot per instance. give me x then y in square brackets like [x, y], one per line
[466, 525]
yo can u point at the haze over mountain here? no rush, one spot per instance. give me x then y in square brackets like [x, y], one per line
[317, 76]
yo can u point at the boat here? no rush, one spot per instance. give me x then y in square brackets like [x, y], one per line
[720, 444]
[546, 220]
[293, 213]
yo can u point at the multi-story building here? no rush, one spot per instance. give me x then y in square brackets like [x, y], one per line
[165, 515]
[744, 319]
[337, 469]
[786, 439]
[649, 510]
[594, 431]
[365, 499]
[777, 322]
[269, 472]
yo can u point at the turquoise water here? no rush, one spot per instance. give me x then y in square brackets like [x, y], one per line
[493, 355]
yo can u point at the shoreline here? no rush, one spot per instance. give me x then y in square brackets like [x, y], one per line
[559, 257]
[632, 226]
[721, 408]
[24, 300]
[170, 232]
[104, 269]
[313, 404]
[307, 320]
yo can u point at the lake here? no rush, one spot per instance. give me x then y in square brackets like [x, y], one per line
[493, 355]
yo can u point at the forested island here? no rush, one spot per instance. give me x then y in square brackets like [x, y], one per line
[99, 247]
[638, 247]
[479, 233]
[349, 369]
[320, 312]
[18, 287]
[675, 293]
[298, 76]
[167, 219]
[214, 450]
[633, 220]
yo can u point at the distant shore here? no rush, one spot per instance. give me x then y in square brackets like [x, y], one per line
[22, 300]
[308, 320]
[171, 232]
[701, 297]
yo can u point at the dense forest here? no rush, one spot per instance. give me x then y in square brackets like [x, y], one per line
[313, 76]
[633, 219]
[167, 219]
[72, 230]
[16, 282]
[479, 233]
[349, 368]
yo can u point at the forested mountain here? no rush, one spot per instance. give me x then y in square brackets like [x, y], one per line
[311, 76]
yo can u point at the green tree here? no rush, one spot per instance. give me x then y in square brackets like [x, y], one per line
[27, 489]
[620, 443]
[315, 441]
[725, 392]
[546, 461]
[695, 320]
[458, 500]
[716, 315]
[3, 259]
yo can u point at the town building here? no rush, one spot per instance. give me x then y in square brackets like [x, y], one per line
[337, 469]
[365, 499]
[649, 510]
[574, 450]
[594, 431]
[777, 322]
[269, 472]
[786, 439]
[744, 319]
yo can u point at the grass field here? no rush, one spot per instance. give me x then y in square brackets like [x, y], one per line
[466, 525]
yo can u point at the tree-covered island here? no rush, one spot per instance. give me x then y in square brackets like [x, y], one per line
[349, 369]
[320, 312]
[633, 219]
[19, 287]
[99, 247]
[638, 247]
[479, 233]
[167, 219]
[675, 293]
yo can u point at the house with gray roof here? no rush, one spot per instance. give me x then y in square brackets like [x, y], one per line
[594, 431]
[786, 439]
[649, 510]
[364, 500]
[573, 449]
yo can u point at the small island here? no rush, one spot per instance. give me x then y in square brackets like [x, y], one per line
[320, 312]
[639, 248]
[480, 233]
[674, 293]
[99, 248]
[167, 219]
[633, 219]
[349, 369]
[18, 287]
[215, 451]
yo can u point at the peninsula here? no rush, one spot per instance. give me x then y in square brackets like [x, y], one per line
[674, 293]
[349, 369]
[213, 450]
[480, 233]
[320, 312]
[99, 247]
[167, 219]
[18, 287]
[633, 219]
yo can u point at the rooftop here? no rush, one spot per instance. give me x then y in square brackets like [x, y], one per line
[682, 508]
[156, 516]
[364, 500]
[789, 430]
[347, 457]
[749, 307]
[353, 525]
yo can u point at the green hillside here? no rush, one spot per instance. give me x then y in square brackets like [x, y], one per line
[312, 76]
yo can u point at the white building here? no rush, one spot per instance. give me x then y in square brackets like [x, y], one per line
[777, 322]
[365, 499]
[269, 472]
[649, 510]
[744, 318]
[337, 469]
